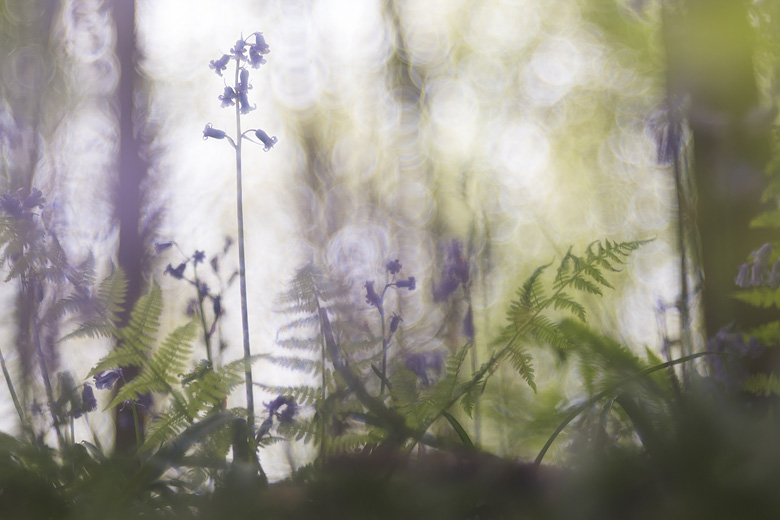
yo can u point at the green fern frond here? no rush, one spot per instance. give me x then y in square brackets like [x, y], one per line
[762, 297]
[109, 303]
[136, 339]
[768, 334]
[532, 290]
[311, 344]
[521, 361]
[767, 219]
[564, 301]
[763, 385]
[161, 373]
[303, 395]
[546, 331]
[165, 426]
[306, 322]
[297, 364]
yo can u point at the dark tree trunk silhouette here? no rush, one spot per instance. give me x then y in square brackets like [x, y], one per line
[131, 170]
[710, 51]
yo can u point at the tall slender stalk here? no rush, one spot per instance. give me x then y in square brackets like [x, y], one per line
[237, 96]
[250, 398]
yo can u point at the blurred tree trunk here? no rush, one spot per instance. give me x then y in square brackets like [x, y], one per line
[710, 46]
[30, 78]
[131, 170]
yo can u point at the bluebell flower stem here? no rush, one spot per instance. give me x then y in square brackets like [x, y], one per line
[384, 353]
[206, 335]
[47, 385]
[250, 400]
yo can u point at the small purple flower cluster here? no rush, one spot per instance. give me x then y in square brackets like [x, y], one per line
[244, 53]
[88, 402]
[103, 381]
[286, 416]
[454, 274]
[203, 291]
[393, 268]
[757, 272]
[376, 300]
[19, 205]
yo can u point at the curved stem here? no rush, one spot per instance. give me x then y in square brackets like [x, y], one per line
[578, 409]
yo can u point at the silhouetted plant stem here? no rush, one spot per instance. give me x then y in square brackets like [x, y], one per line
[9, 383]
[384, 351]
[206, 330]
[138, 436]
[48, 387]
[250, 400]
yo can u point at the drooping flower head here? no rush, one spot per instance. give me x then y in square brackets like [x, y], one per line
[177, 272]
[228, 97]
[409, 283]
[239, 49]
[243, 101]
[255, 58]
[220, 64]
[260, 46]
[372, 298]
[395, 320]
[287, 414]
[394, 266]
[88, 401]
[209, 131]
[105, 380]
[159, 247]
[268, 142]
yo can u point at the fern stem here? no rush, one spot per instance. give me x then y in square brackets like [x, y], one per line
[9, 383]
[250, 399]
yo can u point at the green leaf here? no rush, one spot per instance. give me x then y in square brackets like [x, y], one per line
[462, 435]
